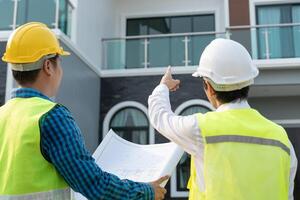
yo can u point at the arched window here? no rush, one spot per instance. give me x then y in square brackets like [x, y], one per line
[129, 120]
[131, 124]
[180, 179]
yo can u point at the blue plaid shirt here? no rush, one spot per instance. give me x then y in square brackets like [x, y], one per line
[62, 144]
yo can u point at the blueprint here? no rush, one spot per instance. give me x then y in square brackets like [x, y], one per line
[141, 163]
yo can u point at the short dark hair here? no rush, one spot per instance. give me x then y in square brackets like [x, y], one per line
[226, 97]
[23, 77]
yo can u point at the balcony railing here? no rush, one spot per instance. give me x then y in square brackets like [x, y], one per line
[262, 42]
[54, 13]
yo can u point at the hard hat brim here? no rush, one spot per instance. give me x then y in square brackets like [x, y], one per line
[65, 53]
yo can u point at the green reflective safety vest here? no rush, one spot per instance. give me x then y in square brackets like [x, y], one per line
[24, 172]
[246, 157]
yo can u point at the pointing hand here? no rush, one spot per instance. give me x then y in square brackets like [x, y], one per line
[167, 79]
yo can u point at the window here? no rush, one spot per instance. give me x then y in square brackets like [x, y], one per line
[164, 51]
[132, 125]
[65, 16]
[175, 24]
[278, 41]
[180, 180]
[7, 11]
[36, 10]
[183, 168]
[129, 120]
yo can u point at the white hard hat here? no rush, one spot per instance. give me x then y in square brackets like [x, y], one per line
[227, 65]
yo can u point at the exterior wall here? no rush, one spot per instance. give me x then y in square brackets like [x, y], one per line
[143, 8]
[278, 108]
[3, 68]
[239, 12]
[95, 20]
[116, 90]
[80, 92]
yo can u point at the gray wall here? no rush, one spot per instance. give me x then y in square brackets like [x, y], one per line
[116, 90]
[3, 68]
[80, 93]
[278, 107]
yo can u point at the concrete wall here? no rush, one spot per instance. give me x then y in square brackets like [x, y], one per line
[80, 92]
[95, 20]
[3, 68]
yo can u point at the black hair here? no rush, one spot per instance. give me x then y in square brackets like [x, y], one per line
[24, 77]
[228, 96]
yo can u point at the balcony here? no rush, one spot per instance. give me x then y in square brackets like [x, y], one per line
[264, 42]
[54, 13]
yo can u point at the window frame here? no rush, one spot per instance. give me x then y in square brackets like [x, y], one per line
[253, 4]
[122, 105]
[179, 109]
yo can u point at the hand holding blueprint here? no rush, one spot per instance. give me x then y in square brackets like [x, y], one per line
[141, 163]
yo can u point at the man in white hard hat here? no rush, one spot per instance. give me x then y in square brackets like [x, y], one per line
[236, 152]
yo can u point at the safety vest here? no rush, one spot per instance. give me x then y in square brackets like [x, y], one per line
[24, 172]
[246, 157]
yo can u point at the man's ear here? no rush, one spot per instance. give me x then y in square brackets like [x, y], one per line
[47, 68]
[210, 90]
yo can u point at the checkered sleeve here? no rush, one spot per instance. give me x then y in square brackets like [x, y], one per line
[62, 144]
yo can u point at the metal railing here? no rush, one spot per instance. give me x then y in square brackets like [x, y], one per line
[16, 12]
[184, 49]
[180, 49]
[269, 41]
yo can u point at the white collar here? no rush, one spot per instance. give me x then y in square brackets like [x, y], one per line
[236, 104]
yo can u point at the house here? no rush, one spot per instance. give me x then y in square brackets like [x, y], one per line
[120, 50]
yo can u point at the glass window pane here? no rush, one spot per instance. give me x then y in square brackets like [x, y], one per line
[270, 36]
[183, 172]
[65, 17]
[183, 167]
[136, 27]
[7, 12]
[159, 25]
[181, 24]
[199, 42]
[168, 51]
[114, 54]
[129, 117]
[159, 58]
[69, 20]
[204, 23]
[132, 125]
[296, 29]
[135, 55]
[36, 10]
[177, 51]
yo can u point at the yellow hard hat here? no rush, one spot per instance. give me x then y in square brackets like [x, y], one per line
[30, 42]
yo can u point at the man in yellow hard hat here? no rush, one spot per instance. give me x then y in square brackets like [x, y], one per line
[42, 153]
[236, 152]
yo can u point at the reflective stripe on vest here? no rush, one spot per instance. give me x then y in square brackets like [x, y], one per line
[245, 157]
[247, 139]
[64, 194]
[23, 168]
